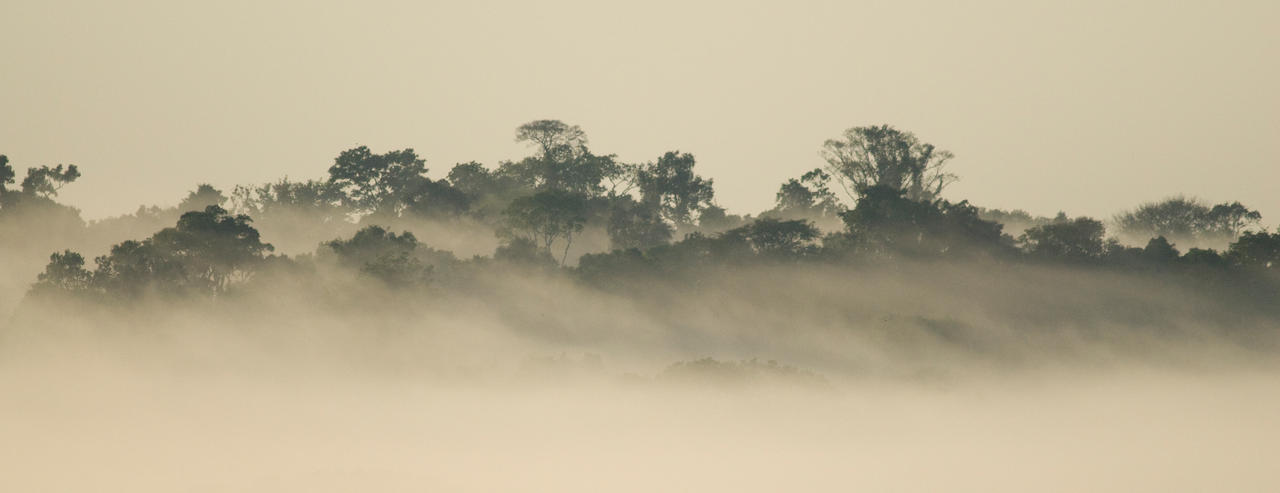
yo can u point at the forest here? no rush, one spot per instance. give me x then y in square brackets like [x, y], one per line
[865, 244]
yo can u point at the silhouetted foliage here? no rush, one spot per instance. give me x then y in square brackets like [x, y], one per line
[65, 273]
[523, 251]
[376, 182]
[203, 196]
[1187, 219]
[383, 255]
[546, 217]
[1256, 249]
[715, 219]
[809, 196]
[561, 161]
[671, 186]
[775, 238]
[213, 246]
[6, 174]
[636, 225]
[1160, 251]
[884, 156]
[207, 251]
[563, 194]
[315, 198]
[886, 222]
[1076, 239]
[45, 181]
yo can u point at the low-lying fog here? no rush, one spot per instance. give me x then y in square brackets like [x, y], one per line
[905, 379]
[111, 426]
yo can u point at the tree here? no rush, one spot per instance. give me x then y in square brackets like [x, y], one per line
[1256, 249]
[45, 181]
[203, 196]
[134, 267]
[1204, 258]
[671, 186]
[884, 156]
[523, 251]
[1160, 251]
[65, 273]
[776, 238]
[213, 246]
[545, 217]
[383, 255]
[436, 199]
[1174, 217]
[809, 196]
[1188, 219]
[6, 173]
[1230, 219]
[635, 225]
[377, 182]
[472, 178]
[554, 138]
[1075, 239]
[715, 218]
[312, 197]
[885, 222]
[561, 160]
[205, 252]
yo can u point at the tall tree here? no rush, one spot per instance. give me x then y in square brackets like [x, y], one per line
[885, 156]
[377, 182]
[214, 246]
[561, 159]
[671, 186]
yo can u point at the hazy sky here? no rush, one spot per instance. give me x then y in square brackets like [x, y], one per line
[1089, 107]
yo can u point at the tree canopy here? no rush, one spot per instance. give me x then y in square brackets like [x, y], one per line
[884, 156]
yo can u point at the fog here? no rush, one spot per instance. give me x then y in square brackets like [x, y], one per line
[921, 377]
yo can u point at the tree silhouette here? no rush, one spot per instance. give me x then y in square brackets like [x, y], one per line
[214, 246]
[809, 196]
[65, 273]
[636, 225]
[1074, 239]
[671, 186]
[377, 182]
[6, 174]
[1186, 219]
[1256, 249]
[887, 223]
[547, 216]
[561, 160]
[383, 255]
[884, 156]
[203, 196]
[45, 181]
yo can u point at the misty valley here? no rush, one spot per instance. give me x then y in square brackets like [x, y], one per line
[581, 320]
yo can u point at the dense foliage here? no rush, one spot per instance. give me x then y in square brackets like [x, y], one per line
[627, 221]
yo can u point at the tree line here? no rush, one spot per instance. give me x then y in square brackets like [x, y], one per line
[877, 200]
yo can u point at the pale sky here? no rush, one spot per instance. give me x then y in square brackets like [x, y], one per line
[1090, 107]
